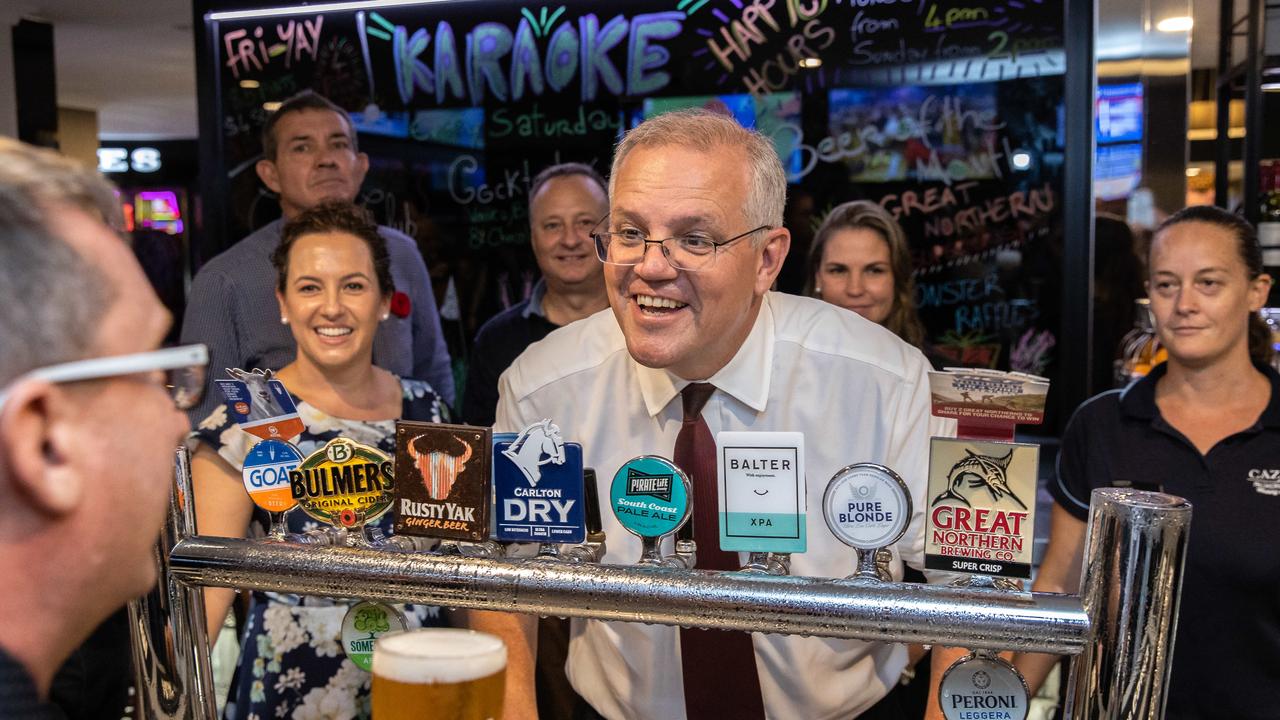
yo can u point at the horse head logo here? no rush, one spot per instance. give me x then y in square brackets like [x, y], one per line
[439, 469]
[975, 472]
[535, 446]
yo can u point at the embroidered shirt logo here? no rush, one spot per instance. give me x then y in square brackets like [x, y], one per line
[1266, 482]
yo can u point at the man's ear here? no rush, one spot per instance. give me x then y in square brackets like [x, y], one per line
[774, 251]
[361, 168]
[38, 438]
[269, 175]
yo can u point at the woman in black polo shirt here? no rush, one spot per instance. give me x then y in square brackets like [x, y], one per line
[1205, 426]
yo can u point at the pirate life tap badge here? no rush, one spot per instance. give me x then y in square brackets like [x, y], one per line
[537, 487]
[650, 497]
[363, 624]
[442, 480]
[260, 404]
[983, 687]
[344, 483]
[762, 491]
[981, 514]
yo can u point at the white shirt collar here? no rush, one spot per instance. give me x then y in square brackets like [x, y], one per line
[746, 376]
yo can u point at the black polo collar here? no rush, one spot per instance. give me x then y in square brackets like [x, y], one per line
[1139, 399]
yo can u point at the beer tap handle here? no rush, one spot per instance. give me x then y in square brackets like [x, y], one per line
[768, 563]
[410, 543]
[872, 566]
[686, 548]
[484, 549]
[595, 528]
[686, 555]
[325, 535]
[593, 549]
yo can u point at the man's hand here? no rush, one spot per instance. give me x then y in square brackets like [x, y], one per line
[520, 633]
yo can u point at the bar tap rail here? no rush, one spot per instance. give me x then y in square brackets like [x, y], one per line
[754, 602]
[1120, 627]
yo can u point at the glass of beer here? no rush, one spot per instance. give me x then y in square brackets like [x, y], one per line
[439, 673]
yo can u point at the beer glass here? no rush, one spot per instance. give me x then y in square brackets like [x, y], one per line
[439, 673]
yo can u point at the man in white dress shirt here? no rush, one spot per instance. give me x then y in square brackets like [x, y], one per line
[692, 245]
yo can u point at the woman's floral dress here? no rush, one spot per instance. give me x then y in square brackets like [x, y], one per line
[291, 659]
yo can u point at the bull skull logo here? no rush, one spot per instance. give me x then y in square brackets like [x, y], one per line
[439, 469]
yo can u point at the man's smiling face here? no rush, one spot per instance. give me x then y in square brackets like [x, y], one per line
[691, 323]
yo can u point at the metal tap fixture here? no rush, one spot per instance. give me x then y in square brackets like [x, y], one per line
[1133, 568]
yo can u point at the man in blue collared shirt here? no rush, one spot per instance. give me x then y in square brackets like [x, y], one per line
[565, 202]
[309, 155]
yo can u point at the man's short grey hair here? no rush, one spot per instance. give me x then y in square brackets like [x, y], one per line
[52, 297]
[708, 132]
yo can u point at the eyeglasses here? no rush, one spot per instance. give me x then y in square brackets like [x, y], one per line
[183, 371]
[692, 251]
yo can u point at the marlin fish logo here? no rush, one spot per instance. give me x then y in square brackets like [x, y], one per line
[979, 471]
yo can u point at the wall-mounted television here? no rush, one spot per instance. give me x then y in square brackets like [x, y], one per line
[1119, 113]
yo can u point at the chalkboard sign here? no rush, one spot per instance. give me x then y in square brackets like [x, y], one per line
[948, 115]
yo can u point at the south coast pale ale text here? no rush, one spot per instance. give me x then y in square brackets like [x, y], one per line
[439, 673]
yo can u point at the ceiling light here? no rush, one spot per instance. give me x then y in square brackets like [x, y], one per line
[271, 106]
[313, 9]
[250, 84]
[810, 62]
[1271, 87]
[1180, 23]
[1021, 160]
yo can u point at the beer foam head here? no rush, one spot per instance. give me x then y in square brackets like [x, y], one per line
[438, 655]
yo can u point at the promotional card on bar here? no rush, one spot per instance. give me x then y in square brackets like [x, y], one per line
[537, 487]
[762, 491]
[260, 404]
[981, 512]
[989, 395]
[442, 480]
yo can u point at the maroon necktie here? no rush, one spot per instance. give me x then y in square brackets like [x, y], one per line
[719, 666]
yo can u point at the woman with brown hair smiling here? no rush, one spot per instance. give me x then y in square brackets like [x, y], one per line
[859, 260]
[334, 289]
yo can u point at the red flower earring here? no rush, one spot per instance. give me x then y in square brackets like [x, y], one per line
[400, 304]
